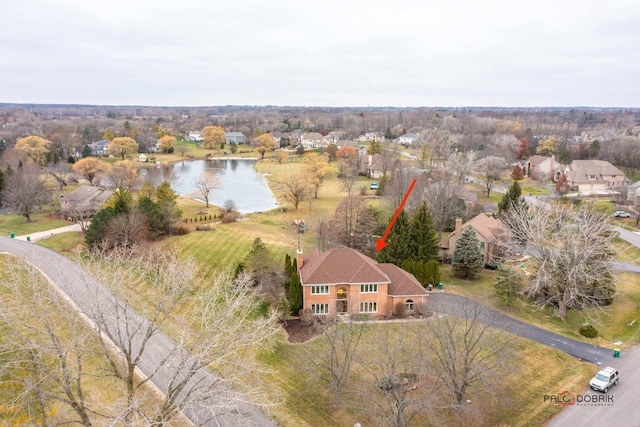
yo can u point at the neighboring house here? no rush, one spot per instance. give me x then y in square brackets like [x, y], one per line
[345, 281]
[407, 139]
[371, 137]
[237, 137]
[595, 175]
[370, 164]
[487, 230]
[99, 148]
[195, 137]
[142, 158]
[313, 140]
[86, 199]
[542, 167]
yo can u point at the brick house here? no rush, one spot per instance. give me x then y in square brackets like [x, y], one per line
[345, 281]
[487, 230]
[542, 167]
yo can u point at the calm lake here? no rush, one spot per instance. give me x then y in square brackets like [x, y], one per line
[239, 182]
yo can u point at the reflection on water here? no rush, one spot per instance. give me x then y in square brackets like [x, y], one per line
[239, 182]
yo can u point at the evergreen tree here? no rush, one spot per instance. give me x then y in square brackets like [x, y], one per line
[512, 198]
[155, 223]
[295, 294]
[3, 146]
[86, 151]
[166, 200]
[508, 284]
[288, 270]
[467, 256]
[398, 248]
[97, 230]
[423, 238]
[121, 201]
[432, 272]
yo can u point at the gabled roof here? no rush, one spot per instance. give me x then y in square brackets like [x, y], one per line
[580, 170]
[341, 266]
[538, 159]
[487, 226]
[234, 134]
[403, 283]
[86, 193]
[312, 136]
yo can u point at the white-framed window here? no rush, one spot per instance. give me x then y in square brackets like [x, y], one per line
[369, 288]
[409, 304]
[319, 290]
[320, 308]
[482, 245]
[368, 307]
[592, 177]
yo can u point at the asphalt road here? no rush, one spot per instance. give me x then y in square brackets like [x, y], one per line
[83, 291]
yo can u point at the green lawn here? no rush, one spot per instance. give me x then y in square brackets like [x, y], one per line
[14, 223]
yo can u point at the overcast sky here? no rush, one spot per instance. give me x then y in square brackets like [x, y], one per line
[321, 53]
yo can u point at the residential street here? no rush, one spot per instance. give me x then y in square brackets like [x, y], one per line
[83, 291]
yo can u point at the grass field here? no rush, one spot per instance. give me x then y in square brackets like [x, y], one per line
[517, 402]
[14, 223]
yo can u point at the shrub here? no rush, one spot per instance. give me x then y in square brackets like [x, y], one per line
[588, 331]
[420, 309]
[401, 309]
[180, 229]
[230, 217]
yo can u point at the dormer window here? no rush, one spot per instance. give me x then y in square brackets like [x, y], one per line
[592, 177]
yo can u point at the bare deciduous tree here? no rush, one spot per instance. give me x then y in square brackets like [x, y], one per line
[295, 189]
[45, 350]
[490, 169]
[573, 251]
[398, 382]
[25, 192]
[332, 363]
[354, 223]
[205, 185]
[220, 332]
[465, 349]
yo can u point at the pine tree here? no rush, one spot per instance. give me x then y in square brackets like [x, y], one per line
[467, 256]
[295, 294]
[398, 249]
[508, 284]
[424, 245]
[512, 198]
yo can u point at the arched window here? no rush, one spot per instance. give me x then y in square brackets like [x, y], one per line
[409, 304]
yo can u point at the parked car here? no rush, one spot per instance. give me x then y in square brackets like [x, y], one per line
[621, 214]
[374, 186]
[605, 379]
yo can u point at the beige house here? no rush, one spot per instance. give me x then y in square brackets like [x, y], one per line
[86, 199]
[595, 175]
[487, 230]
[345, 281]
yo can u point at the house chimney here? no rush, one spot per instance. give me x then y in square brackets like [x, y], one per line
[299, 258]
[458, 226]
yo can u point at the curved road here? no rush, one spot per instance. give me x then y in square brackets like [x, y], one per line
[83, 291]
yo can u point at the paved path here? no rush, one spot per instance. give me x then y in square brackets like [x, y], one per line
[39, 235]
[441, 302]
[85, 292]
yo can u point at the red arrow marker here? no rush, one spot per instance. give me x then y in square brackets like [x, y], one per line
[381, 243]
